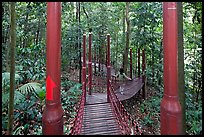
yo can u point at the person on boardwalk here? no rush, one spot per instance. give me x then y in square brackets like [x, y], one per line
[122, 77]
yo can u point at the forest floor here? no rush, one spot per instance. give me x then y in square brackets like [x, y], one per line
[140, 111]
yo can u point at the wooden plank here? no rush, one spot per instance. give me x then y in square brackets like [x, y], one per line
[99, 109]
[102, 127]
[109, 132]
[94, 125]
[99, 120]
[99, 130]
[99, 114]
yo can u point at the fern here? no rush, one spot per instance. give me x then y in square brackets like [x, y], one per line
[6, 80]
[32, 88]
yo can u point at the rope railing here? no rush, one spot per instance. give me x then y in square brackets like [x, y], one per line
[126, 123]
[78, 120]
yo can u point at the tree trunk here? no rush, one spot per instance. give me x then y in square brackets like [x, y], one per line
[79, 43]
[123, 38]
[125, 59]
[181, 82]
[25, 40]
[7, 39]
[12, 70]
[153, 54]
[37, 33]
[160, 62]
[76, 41]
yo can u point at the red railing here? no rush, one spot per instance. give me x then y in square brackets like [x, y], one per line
[126, 123]
[76, 128]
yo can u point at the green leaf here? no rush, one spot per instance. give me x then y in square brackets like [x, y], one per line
[30, 88]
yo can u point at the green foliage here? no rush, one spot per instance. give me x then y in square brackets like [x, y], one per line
[6, 80]
[32, 88]
[151, 109]
[70, 97]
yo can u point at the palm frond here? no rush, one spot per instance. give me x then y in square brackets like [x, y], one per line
[30, 88]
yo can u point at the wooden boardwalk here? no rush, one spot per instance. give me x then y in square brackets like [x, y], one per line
[98, 116]
[130, 88]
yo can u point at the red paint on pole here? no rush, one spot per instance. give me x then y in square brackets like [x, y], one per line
[170, 108]
[52, 118]
[84, 66]
[90, 64]
[108, 68]
[131, 63]
[50, 84]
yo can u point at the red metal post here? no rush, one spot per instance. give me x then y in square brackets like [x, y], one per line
[108, 68]
[170, 108]
[84, 66]
[138, 62]
[143, 73]
[131, 63]
[52, 118]
[90, 63]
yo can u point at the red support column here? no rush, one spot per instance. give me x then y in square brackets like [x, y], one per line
[90, 63]
[84, 66]
[52, 119]
[138, 62]
[143, 73]
[170, 108]
[131, 63]
[108, 68]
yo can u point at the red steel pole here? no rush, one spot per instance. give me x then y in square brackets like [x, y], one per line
[131, 63]
[170, 108]
[52, 118]
[90, 63]
[138, 62]
[84, 66]
[143, 73]
[108, 68]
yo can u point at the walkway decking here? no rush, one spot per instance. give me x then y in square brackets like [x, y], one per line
[130, 89]
[98, 116]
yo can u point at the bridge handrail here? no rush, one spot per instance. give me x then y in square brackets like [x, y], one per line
[127, 124]
[78, 120]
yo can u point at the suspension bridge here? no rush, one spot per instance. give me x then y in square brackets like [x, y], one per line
[104, 113]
